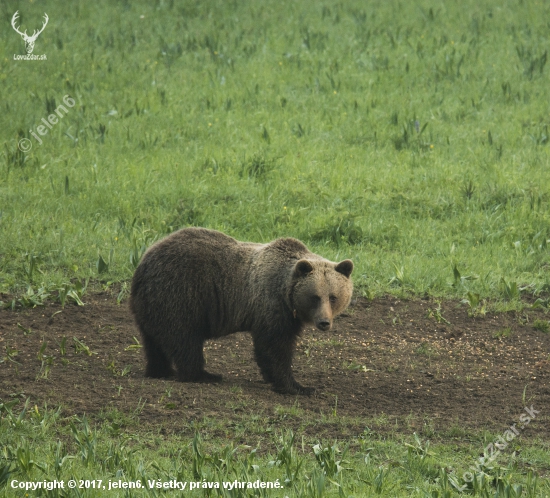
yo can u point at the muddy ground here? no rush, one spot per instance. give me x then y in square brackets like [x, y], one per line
[389, 364]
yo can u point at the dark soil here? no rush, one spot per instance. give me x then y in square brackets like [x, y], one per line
[388, 364]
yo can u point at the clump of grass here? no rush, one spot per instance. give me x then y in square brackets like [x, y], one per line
[437, 314]
[81, 347]
[381, 466]
[425, 349]
[330, 458]
[510, 289]
[542, 325]
[73, 290]
[341, 230]
[476, 306]
[503, 333]
[258, 166]
[411, 136]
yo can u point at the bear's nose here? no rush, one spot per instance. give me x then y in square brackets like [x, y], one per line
[323, 325]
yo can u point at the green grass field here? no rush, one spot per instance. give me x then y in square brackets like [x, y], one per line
[372, 464]
[411, 137]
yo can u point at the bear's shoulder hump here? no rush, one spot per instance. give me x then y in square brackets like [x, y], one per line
[289, 245]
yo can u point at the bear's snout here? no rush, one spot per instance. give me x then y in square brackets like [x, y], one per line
[323, 324]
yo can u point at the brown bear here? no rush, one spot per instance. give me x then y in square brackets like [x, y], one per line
[198, 284]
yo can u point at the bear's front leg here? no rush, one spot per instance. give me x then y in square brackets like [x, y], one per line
[274, 357]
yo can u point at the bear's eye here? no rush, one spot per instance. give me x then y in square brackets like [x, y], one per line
[332, 299]
[315, 299]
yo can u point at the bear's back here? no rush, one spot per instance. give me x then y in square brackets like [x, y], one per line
[195, 272]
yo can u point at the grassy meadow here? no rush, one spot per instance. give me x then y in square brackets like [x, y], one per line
[116, 449]
[411, 137]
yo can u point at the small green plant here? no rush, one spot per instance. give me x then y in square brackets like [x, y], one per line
[14, 155]
[103, 266]
[199, 459]
[123, 294]
[80, 347]
[223, 460]
[287, 457]
[60, 458]
[25, 330]
[85, 439]
[330, 458]
[135, 255]
[167, 394]
[11, 353]
[460, 279]
[46, 361]
[411, 136]
[532, 64]
[425, 349]
[445, 486]
[30, 265]
[63, 346]
[475, 305]
[32, 298]
[40, 354]
[378, 480]
[420, 460]
[540, 136]
[133, 347]
[510, 290]
[22, 455]
[45, 418]
[399, 277]
[542, 325]
[341, 230]
[298, 131]
[503, 333]
[541, 303]
[468, 189]
[352, 365]
[258, 166]
[315, 486]
[437, 314]
[117, 372]
[7, 414]
[368, 294]
[46, 366]
[73, 290]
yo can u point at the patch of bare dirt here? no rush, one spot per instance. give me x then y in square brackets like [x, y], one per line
[389, 359]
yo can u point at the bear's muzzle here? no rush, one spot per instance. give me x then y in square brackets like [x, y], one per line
[323, 324]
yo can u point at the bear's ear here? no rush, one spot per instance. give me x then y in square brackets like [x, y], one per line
[303, 268]
[345, 267]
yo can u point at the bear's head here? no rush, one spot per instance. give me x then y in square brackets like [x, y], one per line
[322, 289]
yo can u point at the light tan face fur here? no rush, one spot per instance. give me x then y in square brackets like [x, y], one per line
[322, 291]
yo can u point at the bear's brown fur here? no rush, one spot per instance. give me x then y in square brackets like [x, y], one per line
[198, 284]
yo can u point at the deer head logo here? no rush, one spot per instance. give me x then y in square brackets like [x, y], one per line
[29, 40]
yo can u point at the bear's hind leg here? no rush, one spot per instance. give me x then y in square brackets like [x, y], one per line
[158, 364]
[189, 360]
